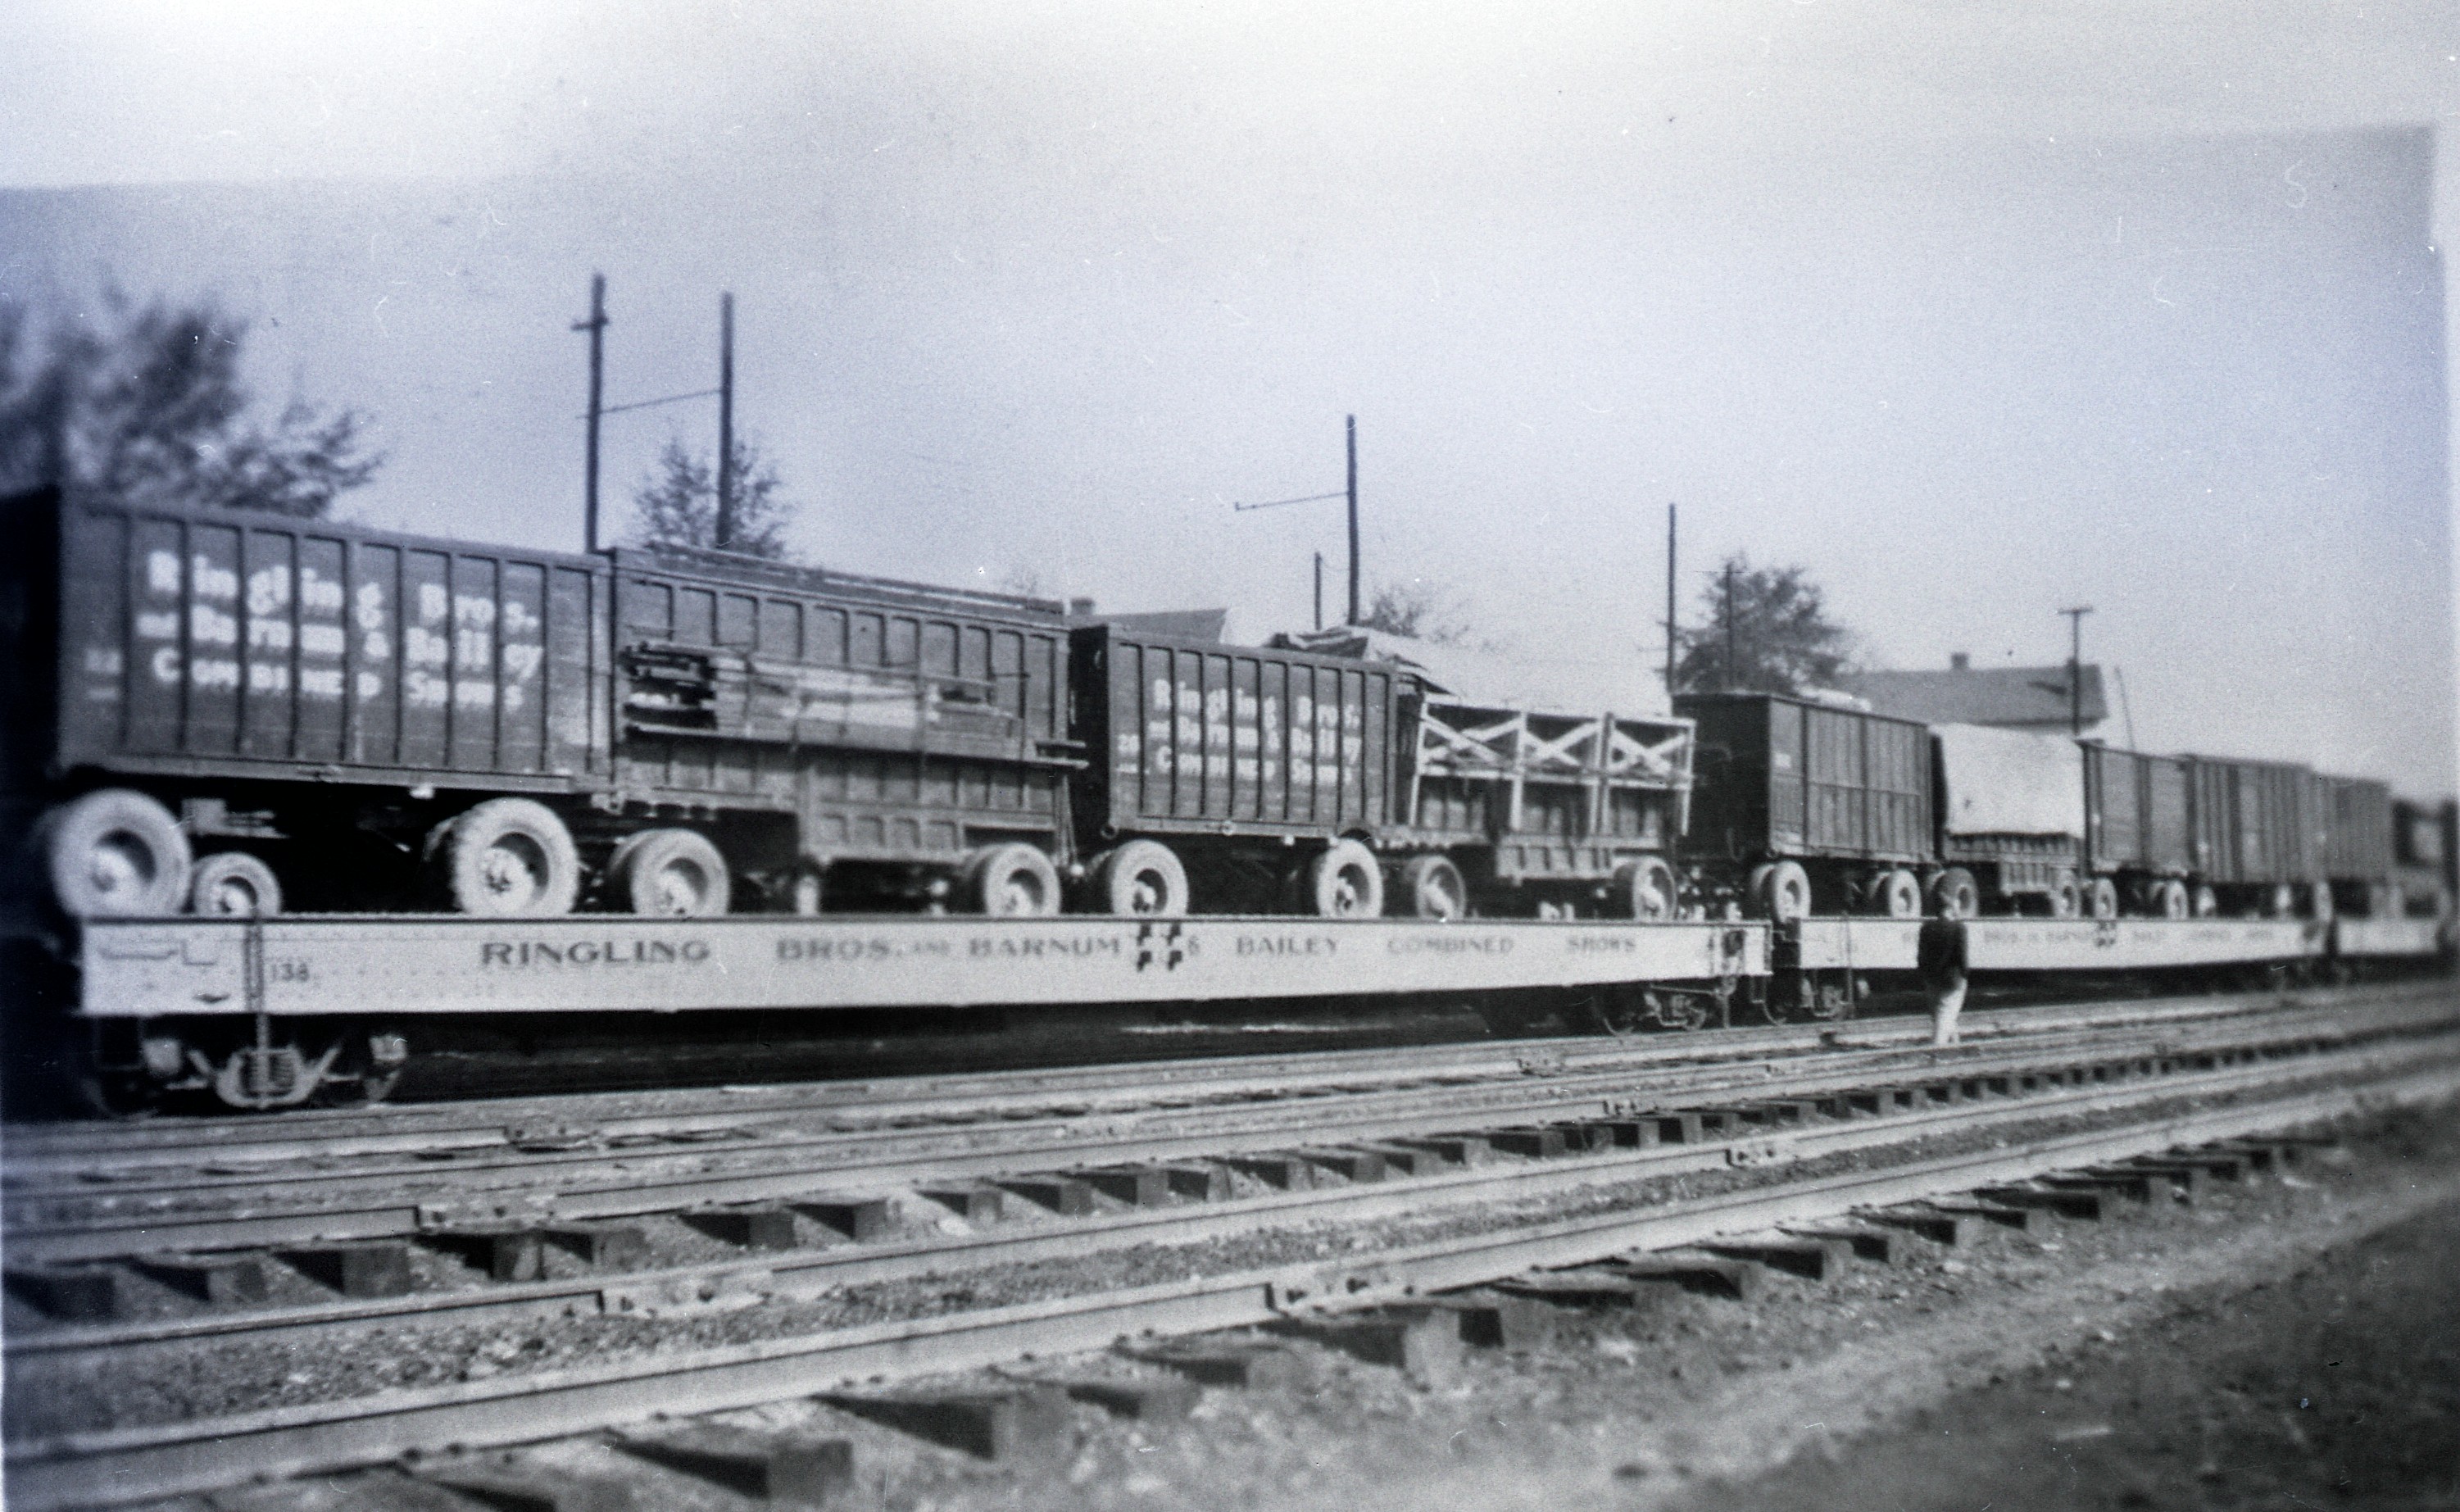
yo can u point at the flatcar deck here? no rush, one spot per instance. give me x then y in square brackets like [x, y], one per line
[398, 965]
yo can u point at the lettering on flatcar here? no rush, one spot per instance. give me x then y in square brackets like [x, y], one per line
[1602, 944]
[1451, 944]
[1009, 947]
[1288, 945]
[525, 954]
[846, 949]
[1166, 944]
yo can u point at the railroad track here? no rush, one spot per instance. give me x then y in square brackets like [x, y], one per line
[122, 1204]
[1436, 1208]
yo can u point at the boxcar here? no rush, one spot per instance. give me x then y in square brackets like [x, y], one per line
[2136, 832]
[1800, 807]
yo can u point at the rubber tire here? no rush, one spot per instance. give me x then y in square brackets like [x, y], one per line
[2169, 899]
[806, 892]
[1431, 887]
[1897, 895]
[461, 848]
[1646, 889]
[142, 853]
[2205, 904]
[1954, 894]
[644, 863]
[1782, 893]
[2280, 901]
[2066, 897]
[2319, 900]
[1343, 881]
[1143, 879]
[226, 876]
[1014, 880]
[2101, 898]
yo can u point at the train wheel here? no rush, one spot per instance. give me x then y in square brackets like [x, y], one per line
[112, 852]
[1954, 894]
[2207, 904]
[2101, 898]
[1011, 880]
[1143, 878]
[509, 858]
[1898, 895]
[671, 874]
[1782, 892]
[1645, 889]
[233, 883]
[1343, 881]
[366, 1070]
[1431, 887]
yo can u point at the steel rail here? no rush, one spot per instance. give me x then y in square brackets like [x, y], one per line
[1090, 1142]
[34, 1150]
[633, 1162]
[811, 1273]
[122, 1466]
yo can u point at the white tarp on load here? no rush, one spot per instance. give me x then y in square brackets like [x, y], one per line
[1559, 685]
[2010, 782]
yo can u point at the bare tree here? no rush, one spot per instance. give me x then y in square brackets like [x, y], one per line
[1418, 610]
[1781, 640]
[146, 407]
[677, 502]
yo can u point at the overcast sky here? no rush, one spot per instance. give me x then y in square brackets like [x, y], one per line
[1974, 310]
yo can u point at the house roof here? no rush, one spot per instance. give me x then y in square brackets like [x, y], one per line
[1190, 624]
[1980, 696]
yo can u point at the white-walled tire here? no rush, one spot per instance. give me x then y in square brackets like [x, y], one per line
[1897, 895]
[115, 852]
[509, 858]
[1011, 880]
[670, 874]
[1141, 879]
[1343, 881]
[1431, 887]
[233, 884]
[1645, 888]
[1782, 892]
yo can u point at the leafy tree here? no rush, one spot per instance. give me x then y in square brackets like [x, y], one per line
[1782, 638]
[677, 502]
[1416, 609]
[146, 406]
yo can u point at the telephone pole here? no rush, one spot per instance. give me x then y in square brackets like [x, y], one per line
[1729, 627]
[1319, 590]
[596, 326]
[724, 423]
[2075, 667]
[1354, 615]
[1669, 601]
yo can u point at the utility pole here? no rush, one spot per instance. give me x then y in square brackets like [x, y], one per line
[1669, 601]
[1730, 680]
[724, 423]
[1319, 590]
[596, 326]
[2075, 667]
[1354, 615]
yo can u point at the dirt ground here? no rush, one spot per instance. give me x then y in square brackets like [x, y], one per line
[2288, 1342]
